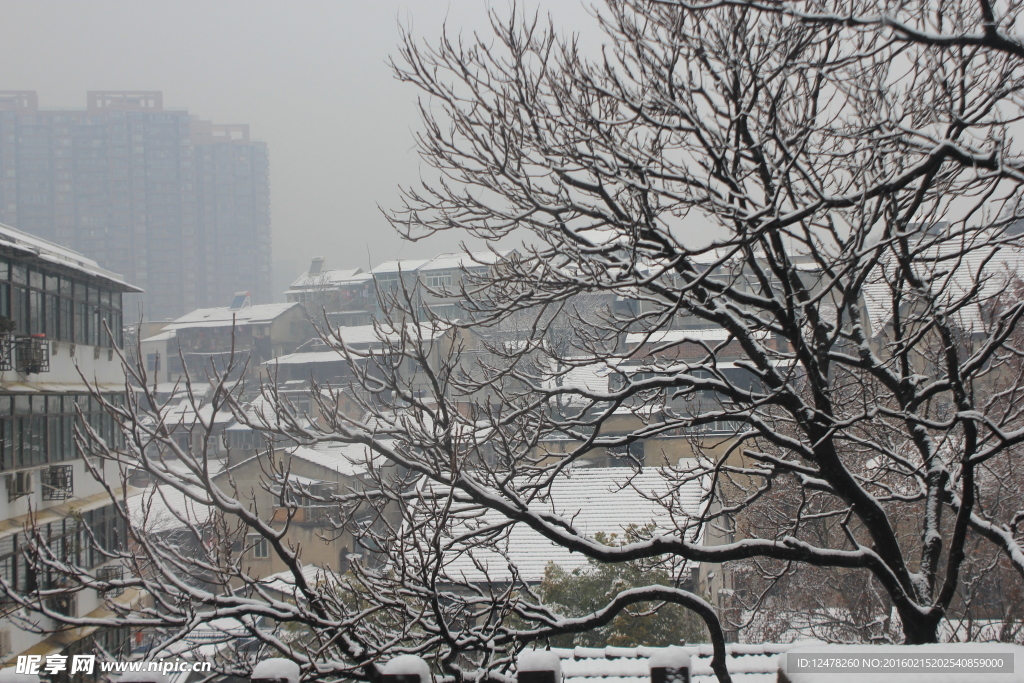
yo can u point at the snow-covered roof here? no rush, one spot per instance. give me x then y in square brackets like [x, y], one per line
[677, 336]
[370, 335]
[184, 413]
[262, 413]
[458, 260]
[597, 499]
[225, 317]
[307, 358]
[330, 277]
[747, 663]
[405, 266]
[952, 277]
[31, 246]
[349, 459]
[164, 508]
[166, 335]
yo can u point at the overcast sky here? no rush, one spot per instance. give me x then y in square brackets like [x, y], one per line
[309, 76]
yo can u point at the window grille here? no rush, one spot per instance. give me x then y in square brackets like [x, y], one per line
[32, 355]
[57, 482]
[111, 574]
[6, 353]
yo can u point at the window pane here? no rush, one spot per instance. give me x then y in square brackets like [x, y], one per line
[21, 404]
[35, 311]
[81, 323]
[94, 325]
[6, 463]
[64, 324]
[19, 306]
[17, 455]
[50, 328]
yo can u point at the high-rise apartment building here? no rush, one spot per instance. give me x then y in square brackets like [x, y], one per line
[179, 205]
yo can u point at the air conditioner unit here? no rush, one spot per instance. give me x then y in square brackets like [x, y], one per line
[18, 484]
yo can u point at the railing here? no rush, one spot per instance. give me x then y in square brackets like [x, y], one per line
[111, 574]
[6, 353]
[32, 354]
[56, 482]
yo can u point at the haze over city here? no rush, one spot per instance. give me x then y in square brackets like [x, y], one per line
[704, 361]
[310, 79]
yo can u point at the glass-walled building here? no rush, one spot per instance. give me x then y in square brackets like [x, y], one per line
[60, 320]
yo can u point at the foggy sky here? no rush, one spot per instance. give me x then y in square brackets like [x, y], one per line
[309, 77]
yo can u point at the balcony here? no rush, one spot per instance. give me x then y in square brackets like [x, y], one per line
[31, 354]
[111, 574]
[56, 482]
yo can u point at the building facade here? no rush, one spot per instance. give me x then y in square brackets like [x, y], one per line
[60, 321]
[180, 206]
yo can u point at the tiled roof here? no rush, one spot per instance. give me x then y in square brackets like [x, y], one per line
[307, 358]
[598, 499]
[164, 508]
[349, 459]
[952, 278]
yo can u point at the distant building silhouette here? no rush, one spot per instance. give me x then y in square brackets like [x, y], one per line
[180, 206]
